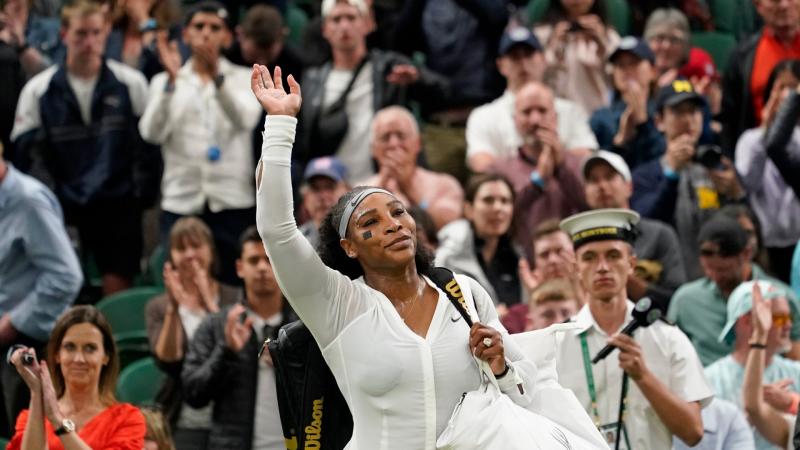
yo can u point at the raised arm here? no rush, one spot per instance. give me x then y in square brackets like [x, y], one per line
[324, 299]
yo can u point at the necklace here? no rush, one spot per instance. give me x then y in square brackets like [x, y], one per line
[412, 300]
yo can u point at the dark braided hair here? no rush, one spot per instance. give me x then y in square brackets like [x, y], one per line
[332, 253]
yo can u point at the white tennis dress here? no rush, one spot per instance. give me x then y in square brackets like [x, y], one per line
[401, 388]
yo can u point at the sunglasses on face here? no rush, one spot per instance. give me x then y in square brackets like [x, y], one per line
[780, 320]
[710, 253]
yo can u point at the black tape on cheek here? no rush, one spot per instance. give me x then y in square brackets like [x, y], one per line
[367, 235]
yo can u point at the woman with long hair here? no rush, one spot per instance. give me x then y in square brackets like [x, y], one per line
[72, 392]
[398, 348]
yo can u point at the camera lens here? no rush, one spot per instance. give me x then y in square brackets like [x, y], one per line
[27, 359]
[709, 156]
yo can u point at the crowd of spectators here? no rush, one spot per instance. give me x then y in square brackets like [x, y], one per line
[129, 128]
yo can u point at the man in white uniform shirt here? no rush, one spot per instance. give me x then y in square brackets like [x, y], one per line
[203, 115]
[666, 388]
[491, 133]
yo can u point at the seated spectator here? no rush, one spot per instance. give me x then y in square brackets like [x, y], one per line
[724, 427]
[173, 317]
[699, 307]
[40, 275]
[491, 133]
[689, 183]
[480, 245]
[395, 146]
[342, 96]
[659, 265]
[554, 301]
[76, 126]
[220, 366]
[578, 40]
[771, 198]
[552, 258]
[202, 114]
[158, 436]
[546, 178]
[747, 219]
[323, 184]
[72, 393]
[750, 65]
[134, 27]
[628, 125]
[758, 326]
[667, 33]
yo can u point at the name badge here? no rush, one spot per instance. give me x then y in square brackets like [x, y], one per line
[609, 433]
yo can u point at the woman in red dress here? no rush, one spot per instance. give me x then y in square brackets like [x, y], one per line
[72, 392]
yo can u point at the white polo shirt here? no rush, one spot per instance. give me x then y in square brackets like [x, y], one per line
[668, 354]
[491, 129]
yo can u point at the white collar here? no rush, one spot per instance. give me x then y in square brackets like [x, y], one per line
[585, 320]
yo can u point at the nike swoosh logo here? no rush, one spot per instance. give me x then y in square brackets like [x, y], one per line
[454, 320]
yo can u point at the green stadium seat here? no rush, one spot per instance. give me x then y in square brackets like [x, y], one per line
[296, 20]
[125, 313]
[3, 442]
[617, 11]
[140, 382]
[718, 45]
[736, 17]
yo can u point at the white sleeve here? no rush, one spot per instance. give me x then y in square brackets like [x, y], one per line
[524, 367]
[154, 124]
[478, 133]
[751, 159]
[323, 298]
[573, 126]
[687, 379]
[27, 116]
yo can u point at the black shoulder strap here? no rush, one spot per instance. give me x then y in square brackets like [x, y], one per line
[445, 280]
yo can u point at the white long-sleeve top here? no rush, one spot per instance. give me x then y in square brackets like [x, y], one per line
[401, 388]
[194, 118]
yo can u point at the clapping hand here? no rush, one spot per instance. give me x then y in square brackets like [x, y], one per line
[270, 92]
[760, 316]
[237, 332]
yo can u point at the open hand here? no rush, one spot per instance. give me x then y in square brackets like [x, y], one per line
[270, 92]
[168, 55]
[403, 75]
[760, 316]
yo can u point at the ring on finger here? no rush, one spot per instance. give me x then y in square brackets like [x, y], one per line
[487, 342]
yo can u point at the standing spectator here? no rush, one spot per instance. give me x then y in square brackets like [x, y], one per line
[781, 376]
[173, 317]
[343, 95]
[546, 178]
[771, 197]
[480, 245]
[554, 301]
[698, 307]
[202, 116]
[459, 39]
[666, 388]
[134, 27]
[72, 392]
[491, 133]
[396, 145]
[323, 184]
[751, 63]
[39, 275]
[628, 125]
[221, 368]
[689, 183]
[578, 40]
[82, 117]
[659, 265]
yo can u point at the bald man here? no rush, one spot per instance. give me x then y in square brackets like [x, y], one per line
[396, 145]
[546, 178]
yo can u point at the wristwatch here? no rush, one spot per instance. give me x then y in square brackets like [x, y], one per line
[67, 426]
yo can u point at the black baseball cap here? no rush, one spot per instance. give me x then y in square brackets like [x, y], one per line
[726, 233]
[518, 36]
[635, 46]
[678, 91]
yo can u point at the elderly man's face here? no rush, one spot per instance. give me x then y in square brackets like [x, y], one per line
[395, 139]
[533, 108]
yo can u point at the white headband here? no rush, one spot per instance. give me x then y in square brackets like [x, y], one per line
[353, 204]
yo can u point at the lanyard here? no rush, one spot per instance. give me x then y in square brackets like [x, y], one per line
[587, 367]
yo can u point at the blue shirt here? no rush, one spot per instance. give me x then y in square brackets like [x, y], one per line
[726, 377]
[39, 271]
[724, 428]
